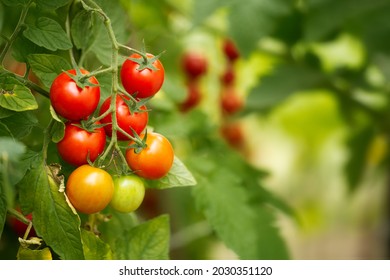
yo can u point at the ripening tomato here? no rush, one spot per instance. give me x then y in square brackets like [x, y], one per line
[72, 102]
[229, 76]
[230, 50]
[141, 80]
[155, 160]
[194, 64]
[78, 144]
[89, 189]
[129, 192]
[126, 120]
[231, 102]
[233, 134]
[193, 98]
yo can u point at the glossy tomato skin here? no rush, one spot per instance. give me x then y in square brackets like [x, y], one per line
[126, 120]
[154, 161]
[194, 64]
[142, 83]
[89, 189]
[79, 144]
[129, 192]
[72, 102]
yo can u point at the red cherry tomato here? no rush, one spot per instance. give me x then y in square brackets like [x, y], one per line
[194, 96]
[233, 134]
[231, 102]
[142, 83]
[126, 120]
[230, 50]
[229, 76]
[72, 102]
[89, 189]
[194, 64]
[154, 161]
[79, 144]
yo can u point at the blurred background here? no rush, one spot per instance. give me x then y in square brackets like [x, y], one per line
[314, 79]
[292, 96]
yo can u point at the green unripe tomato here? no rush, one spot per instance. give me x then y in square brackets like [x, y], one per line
[129, 192]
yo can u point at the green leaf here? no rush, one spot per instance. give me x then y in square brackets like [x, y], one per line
[178, 176]
[260, 16]
[234, 203]
[47, 66]
[116, 227]
[10, 153]
[18, 125]
[148, 241]
[49, 34]
[84, 29]
[11, 148]
[224, 202]
[22, 48]
[5, 113]
[15, 2]
[53, 219]
[318, 26]
[94, 247]
[15, 96]
[202, 9]
[118, 19]
[281, 83]
[52, 4]
[358, 146]
[57, 131]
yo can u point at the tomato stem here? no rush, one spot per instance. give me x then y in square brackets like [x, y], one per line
[17, 29]
[18, 215]
[143, 54]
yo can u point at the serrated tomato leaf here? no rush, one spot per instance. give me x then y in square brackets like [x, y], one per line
[47, 66]
[94, 247]
[224, 202]
[15, 96]
[18, 125]
[84, 29]
[147, 241]
[49, 34]
[178, 176]
[53, 219]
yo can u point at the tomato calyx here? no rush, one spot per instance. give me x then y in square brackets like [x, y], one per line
[89, 125]
[81, 80]
[135, 105]
[139, 143]
[145, 62]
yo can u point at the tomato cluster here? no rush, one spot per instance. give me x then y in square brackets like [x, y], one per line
[76, 99]
[231, 102]
[75, 95]
[194, 65]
